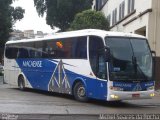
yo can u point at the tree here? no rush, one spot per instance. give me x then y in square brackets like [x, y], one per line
[17, 14]
[90, 19]
[8, 16]
[61, 13]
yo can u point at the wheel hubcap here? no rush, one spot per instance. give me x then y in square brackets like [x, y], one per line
[81, 92]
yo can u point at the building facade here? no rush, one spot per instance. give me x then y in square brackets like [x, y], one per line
[16, 35]
[29, 34]
[134, 16]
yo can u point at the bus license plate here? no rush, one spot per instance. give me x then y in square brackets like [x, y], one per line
[135, 95]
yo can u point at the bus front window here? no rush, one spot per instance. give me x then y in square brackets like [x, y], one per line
[143, 57]
[131, 59]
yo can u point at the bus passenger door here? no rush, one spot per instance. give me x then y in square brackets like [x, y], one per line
[102, 75]
[98, 65]
[101, 66]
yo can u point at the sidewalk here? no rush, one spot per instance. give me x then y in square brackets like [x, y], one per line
[157, 92]
[1, 80]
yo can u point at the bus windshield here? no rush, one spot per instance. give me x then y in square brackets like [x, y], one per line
[131, 59]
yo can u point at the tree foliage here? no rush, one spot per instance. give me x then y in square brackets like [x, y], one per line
[5, 20]
[61, 13]
[90, 19]
[8, 16]
[17, 14]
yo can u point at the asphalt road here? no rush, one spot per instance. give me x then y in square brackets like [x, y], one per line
[40, 105]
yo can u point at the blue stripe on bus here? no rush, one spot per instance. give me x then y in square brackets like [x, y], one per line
[39, 77]
[140, 86]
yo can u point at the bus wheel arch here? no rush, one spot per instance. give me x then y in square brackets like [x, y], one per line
[21, 82]
[79, 90]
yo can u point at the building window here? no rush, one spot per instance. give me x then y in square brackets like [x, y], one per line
[114, 16]
[100, 3]
[131, 6]
[121, 10]
[109, 19]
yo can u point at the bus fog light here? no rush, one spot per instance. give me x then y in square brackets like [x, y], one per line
[152, 95]
[114, 96]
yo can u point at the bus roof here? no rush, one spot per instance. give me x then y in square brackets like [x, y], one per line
[77, 33]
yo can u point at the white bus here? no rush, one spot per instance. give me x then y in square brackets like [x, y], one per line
[89, 63]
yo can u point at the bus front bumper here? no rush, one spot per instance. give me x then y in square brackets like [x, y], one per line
[132, 95]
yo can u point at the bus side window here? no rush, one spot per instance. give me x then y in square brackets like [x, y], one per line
[11, 52]
[23, 53]
[39, 49]
[31, 53]
[81, 49]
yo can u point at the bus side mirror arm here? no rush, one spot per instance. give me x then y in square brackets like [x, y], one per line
[107, 54]
[153, 53]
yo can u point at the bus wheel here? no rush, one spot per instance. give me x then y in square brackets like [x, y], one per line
[80, 92]
[21, 83]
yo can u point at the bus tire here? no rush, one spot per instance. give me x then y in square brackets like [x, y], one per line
[21, 83]
[79, 91]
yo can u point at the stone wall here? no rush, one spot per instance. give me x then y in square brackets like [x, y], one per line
[157, 72]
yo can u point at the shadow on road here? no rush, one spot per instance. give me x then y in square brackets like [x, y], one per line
[47, 93]
[115, 104]
[112, 104]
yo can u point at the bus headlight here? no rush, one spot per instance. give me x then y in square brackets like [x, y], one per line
[114, 96]
[152, 95]
[150, 88]
[116, 88]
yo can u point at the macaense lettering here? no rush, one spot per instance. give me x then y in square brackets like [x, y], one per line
[32, 64]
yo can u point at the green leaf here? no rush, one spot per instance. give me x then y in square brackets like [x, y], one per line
[89, 19]
[60, 13]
